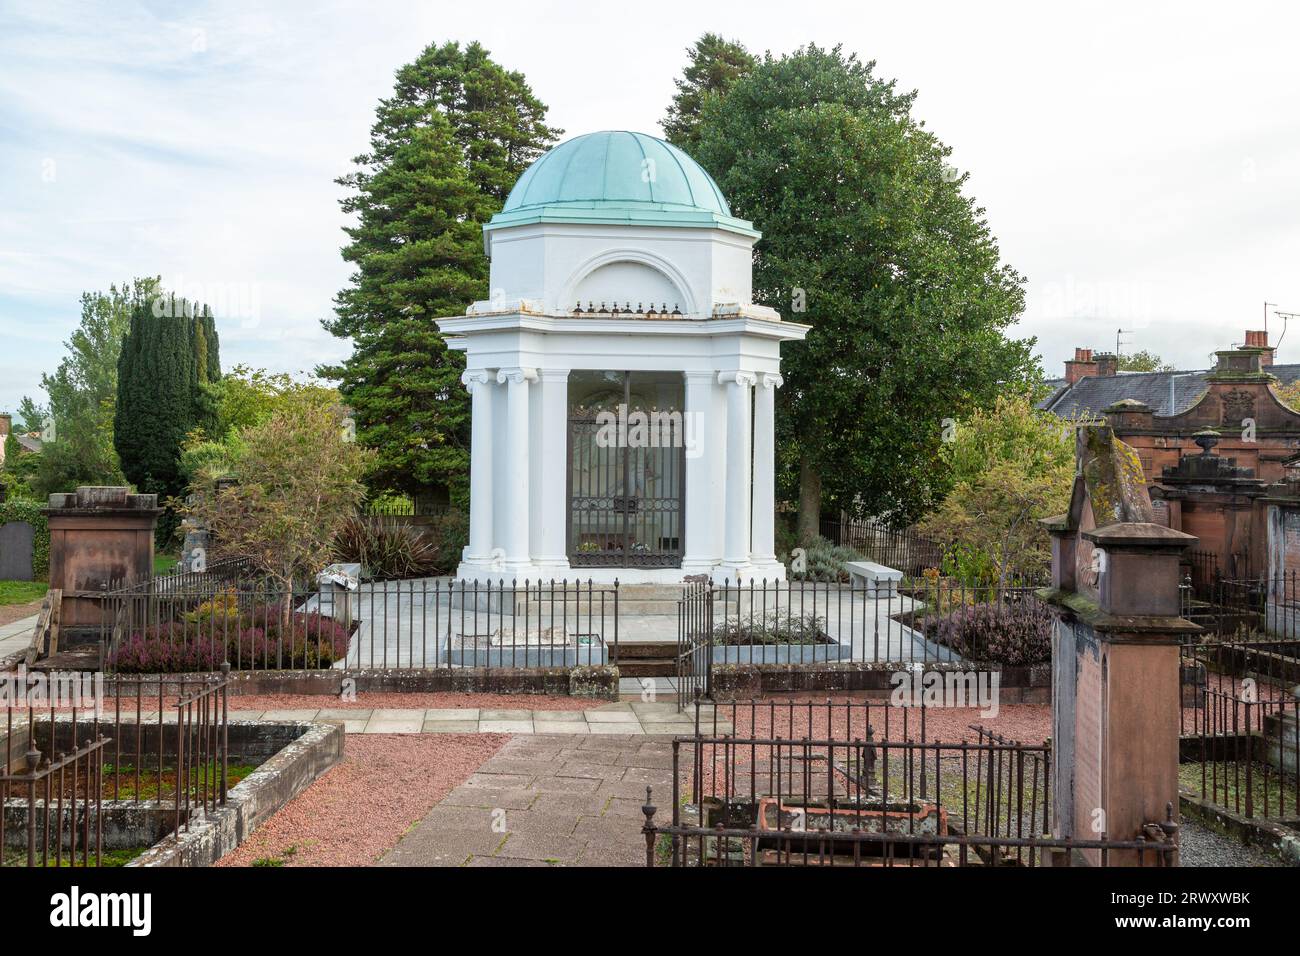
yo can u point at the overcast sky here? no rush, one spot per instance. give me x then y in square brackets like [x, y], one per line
[1141, 167]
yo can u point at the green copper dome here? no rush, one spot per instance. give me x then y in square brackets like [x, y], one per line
[617, 177]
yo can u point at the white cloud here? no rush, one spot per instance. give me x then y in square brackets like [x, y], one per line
[1141, 166]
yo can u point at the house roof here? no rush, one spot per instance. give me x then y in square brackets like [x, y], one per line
[28, 443]
[1091, 396]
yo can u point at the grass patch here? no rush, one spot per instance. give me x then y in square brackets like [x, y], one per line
[148, 786]
[164, 563]
[1272, 794]
[22, 592]
[107, 858]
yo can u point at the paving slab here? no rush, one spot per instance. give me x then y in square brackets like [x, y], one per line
[290, 716]
[449, 727]
[387, 713]
[560, 727]
[452, 713]
[377, 726]
[565, 810]
[505, 726]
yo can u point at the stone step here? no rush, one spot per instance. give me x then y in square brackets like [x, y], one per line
[645, 650]
[647, 668]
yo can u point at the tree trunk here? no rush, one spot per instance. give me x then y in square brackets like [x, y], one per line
[810, 502]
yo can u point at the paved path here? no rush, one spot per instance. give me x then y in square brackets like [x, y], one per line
[560, 800]
[624, 718]
[16, 636]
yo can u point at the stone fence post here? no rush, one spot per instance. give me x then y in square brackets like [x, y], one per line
[1115, 663]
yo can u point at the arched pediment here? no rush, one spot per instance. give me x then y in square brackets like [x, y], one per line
[628, 275]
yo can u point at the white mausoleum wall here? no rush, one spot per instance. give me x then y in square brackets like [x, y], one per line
[553, 264]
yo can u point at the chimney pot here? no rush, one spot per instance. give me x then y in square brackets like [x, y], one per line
[1258, 339]
[1080, 367]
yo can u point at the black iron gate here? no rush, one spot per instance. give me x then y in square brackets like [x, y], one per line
[694, 644]
[627, 471]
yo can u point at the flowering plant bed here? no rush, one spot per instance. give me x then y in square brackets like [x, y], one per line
[259, 638]
[776, 637]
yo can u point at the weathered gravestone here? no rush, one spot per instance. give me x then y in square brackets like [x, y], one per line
[100, 538]
[17, 548]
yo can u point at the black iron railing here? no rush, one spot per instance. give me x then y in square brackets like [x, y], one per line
[86, 739]
[773, 801]
[258, 624]
[1239, 745]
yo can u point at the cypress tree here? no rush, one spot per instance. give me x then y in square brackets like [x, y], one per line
[170, 358]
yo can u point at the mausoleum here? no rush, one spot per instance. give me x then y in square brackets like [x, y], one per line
[623, 382]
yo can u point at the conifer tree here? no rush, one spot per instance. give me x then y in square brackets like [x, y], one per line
[445, 150]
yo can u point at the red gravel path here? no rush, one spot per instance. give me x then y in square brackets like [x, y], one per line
[360, 808]
[395, 700]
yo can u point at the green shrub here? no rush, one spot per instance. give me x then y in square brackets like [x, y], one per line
[823, 561]
[387, 550]
[449, 532]
[775, 627]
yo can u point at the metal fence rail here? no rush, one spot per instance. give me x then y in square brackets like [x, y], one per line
[1239, 744]
[828, 622]
[58, 795]
[770, 801]
[132, 739]
[256, 624]
[902, 548]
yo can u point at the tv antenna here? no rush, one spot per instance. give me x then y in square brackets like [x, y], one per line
[1284, 316]
[1119, 341]
[1266, 305]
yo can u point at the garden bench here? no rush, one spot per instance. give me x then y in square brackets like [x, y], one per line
[880, 580]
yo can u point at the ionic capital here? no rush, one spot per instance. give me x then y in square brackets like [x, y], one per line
[741, 378]
[771, 380]
[517, 375]
[476, 376]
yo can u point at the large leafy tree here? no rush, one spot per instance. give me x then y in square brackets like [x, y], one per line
[82, 391]
[1143, 361]
[299, 479]
[868, 238]
[168, 365]
[445, 150]
[1010, 466]
[713, 64]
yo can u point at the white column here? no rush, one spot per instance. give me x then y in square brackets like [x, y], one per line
[514, 470]
[763, 540]
[551, 551]
[703, 549]
[482, 386]
[736, 547]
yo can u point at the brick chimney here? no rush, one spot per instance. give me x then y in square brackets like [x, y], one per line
[1259, 340]
[1081, 366]
[1107, 364]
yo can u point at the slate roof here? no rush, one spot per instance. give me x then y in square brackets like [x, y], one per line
[1092, 395]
